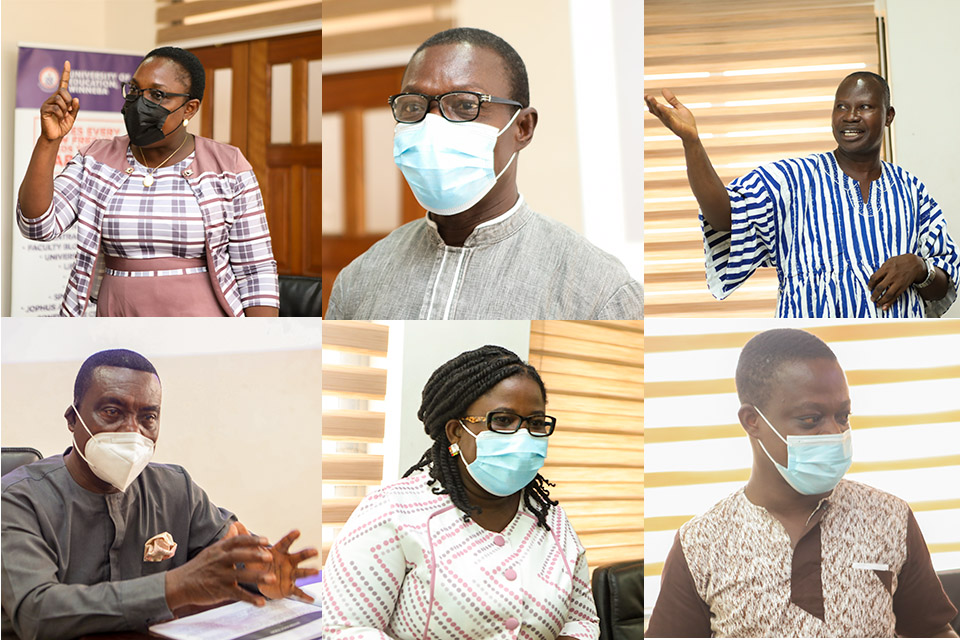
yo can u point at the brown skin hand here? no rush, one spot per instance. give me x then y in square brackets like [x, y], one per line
[464, 67]
[57, 115]
[283, 566]
[706, 185]
[518, 394]
[810, 397]
[118, 399]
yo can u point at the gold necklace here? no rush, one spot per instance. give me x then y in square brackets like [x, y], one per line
[148, 179]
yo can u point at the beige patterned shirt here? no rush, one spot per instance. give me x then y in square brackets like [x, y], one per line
[861, 569]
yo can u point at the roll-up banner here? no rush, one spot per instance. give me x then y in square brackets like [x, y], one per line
[40, 269]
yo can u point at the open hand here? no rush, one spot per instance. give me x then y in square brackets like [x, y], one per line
[676, 117]
[894, 277]
[214, 576]
[284, 569]
[59, 111]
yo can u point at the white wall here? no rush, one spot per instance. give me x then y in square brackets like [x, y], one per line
[548, 173]
[923, 53]
[241, 404]
[416, 350]
[124, 25]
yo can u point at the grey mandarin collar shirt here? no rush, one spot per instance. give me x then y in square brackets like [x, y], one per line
[521, 265]
[73, 560]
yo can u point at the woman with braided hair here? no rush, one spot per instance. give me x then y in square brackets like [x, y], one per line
[469, 543]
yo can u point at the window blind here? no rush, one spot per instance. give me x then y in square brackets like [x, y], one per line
[356, 26]
[903, 378]
[354, 386]
[759, 76]
[593, 372]
[179, 20]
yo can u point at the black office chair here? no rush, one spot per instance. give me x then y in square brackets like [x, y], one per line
[618, 592]
[951, 585]
[300, 297]
[13, 457]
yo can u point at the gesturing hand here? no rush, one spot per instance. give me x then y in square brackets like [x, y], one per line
[678, 119]
[59, 111]
[894, 277]
[212, 576]
[283, 567]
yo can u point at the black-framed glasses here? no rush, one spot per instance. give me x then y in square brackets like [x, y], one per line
[508, 422]
[131, 92]
[455, 106]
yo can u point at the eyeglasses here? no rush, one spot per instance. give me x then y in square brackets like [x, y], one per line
[509, 422]
[131, 92]
[455, 106]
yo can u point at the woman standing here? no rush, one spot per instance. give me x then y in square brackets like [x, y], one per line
[179, 219]
[468, 544]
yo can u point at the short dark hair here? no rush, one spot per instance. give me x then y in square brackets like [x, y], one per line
[876, 78]
[123, 358]
[765, 353]
[512, 62]
[193, 74]
[453, 387]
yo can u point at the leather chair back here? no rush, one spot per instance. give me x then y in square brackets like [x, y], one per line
[951, 585]
[618, 592]
[301, 297]
[13, 457]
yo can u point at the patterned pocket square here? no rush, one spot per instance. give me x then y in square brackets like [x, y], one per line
[159, 548]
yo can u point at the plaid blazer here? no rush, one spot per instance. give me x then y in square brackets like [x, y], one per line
[238, 250]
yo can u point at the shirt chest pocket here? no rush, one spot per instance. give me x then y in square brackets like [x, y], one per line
[863, 597]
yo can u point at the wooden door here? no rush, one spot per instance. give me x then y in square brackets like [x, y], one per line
[348, 97]
[288, 171]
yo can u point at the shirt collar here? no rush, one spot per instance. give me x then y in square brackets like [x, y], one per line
[494, 230]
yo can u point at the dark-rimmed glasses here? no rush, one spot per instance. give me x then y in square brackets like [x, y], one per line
[455, 106]
[508, 422]
[131, 92]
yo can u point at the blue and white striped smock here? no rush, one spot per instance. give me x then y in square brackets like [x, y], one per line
[808, 219]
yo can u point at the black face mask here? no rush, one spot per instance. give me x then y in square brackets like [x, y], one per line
[144, 121]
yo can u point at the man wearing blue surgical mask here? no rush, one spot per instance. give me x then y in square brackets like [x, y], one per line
[463, 115]
[800, 551]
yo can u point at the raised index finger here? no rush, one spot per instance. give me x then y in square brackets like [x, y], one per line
[65, 77]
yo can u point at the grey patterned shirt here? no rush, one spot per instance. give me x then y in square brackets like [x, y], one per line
[521, 265]
[73, 559]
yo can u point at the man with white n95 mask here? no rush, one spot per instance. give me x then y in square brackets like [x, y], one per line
[800, 551]
[101, 539]
[463, 115]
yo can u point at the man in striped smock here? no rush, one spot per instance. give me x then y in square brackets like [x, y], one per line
[849, 235]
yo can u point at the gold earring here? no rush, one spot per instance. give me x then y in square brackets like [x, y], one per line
[454, 449]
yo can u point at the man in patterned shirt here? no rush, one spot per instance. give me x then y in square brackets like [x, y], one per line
[799, 551]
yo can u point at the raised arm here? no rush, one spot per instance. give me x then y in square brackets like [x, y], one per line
[57, 115]
[707, 187]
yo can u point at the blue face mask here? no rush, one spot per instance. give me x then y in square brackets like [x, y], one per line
[448, 165]
[506, 463]
[815, 464]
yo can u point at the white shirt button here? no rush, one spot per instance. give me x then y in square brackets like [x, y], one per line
[512, 623]
[510, 574]
[499, 541]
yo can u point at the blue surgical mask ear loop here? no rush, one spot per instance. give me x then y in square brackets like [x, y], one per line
[760, 413]
[514, 156]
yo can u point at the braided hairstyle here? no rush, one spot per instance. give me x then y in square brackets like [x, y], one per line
[453, 387]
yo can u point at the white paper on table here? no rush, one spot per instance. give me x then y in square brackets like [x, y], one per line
[278, 620]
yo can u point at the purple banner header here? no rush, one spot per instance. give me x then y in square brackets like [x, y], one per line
[94, 77]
